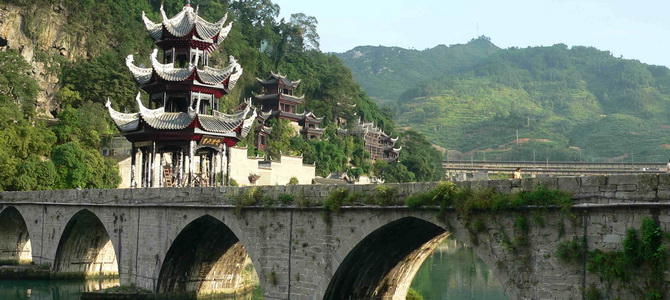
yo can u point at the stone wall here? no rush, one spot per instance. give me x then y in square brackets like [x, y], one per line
[297, 253]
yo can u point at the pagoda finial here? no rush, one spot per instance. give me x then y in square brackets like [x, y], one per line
[188, 3]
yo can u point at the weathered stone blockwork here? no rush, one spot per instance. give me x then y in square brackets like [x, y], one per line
[296, 252]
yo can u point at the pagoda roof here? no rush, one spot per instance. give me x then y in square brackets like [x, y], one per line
[184, 23]
[281, 96]
[225, 78]
[276, 78]
[160, 119]
[368, 127]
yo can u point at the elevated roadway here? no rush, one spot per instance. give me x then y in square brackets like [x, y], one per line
[479, 168]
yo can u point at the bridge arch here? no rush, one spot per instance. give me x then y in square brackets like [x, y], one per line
[15, 245]
[206, 257]
[85, 247]
[383, 263]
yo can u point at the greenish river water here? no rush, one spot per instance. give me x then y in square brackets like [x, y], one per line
[451, 272]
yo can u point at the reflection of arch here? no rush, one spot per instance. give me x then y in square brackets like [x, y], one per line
[14, 238]
[384, 262]
[85, 247]
[206, 257]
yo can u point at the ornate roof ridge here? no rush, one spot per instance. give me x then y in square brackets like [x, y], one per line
[124, 121]
[183, 23]
[142, 75]
[160, 119]
[168, 72]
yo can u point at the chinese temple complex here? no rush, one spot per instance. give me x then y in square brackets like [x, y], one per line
[278, 100]
[377, 143]
[181, 138]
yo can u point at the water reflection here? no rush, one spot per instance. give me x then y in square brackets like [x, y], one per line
[72, 289]
[453, 271]
[51, 289]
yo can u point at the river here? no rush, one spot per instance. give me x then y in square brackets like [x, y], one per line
[452, 272]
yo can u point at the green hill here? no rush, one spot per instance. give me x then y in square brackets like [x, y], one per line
[566, 103]
[386, 72]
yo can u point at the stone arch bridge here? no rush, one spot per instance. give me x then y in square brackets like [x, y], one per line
[198, 240]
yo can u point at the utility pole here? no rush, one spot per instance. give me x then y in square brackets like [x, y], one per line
[533, 157]
[517, 137]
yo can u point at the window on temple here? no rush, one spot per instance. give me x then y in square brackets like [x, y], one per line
[167, 57]
[181, 60]
[156, 100]
[205, 102]
[199, 56]
[285, 91]
[177, 103]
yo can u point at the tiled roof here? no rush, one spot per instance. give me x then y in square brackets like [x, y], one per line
[168, 72]
[183, 23]
[142, 75]
[125, 122]
[159, 119]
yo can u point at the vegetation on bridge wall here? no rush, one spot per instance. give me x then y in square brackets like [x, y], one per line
[638, 268]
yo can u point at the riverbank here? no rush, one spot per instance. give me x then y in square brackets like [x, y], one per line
[25, 272]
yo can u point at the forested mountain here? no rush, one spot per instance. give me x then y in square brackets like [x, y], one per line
[67, 57]
[566, 103]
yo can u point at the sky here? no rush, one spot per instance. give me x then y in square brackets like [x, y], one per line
[632, 29]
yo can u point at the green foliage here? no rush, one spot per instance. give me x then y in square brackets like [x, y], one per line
[392, 172]
[279, 141]
[420, 158]
[639, 267]
[570, 251]
[286, 199]
[385, 195]
[86, 125]
[464, 200]
[413, 295]
[35, 174]
[567, 103]
[292, 181]
[593, 293]
[79, 167]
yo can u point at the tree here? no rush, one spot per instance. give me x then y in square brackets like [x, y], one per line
[35, 174]
[420, 157]
[85, 168]
[86, 125]
[279, 141]
[307, 37]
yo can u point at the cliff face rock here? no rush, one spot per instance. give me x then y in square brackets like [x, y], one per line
[38, 34]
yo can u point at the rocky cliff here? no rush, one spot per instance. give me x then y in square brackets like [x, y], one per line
[38, 33]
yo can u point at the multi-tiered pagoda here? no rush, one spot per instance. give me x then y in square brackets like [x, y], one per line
[278, 100]
[379, 144]
[181, 135]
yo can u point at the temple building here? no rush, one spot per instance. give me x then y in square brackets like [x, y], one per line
[181, 139]
[278, 100]
[377, 143]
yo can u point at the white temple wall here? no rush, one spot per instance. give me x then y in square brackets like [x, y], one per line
[242, 166]
[291, 166]
[274, 173]
[124, 171]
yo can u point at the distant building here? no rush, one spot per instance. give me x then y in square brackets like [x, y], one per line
[278, 100]
[377, 143]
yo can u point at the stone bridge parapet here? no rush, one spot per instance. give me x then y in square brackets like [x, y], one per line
[177, 239]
